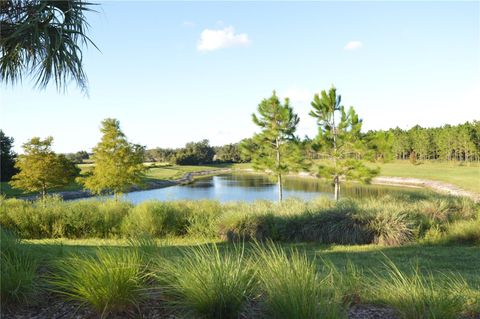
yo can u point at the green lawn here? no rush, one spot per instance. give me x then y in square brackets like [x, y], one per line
[463, 260]
[467, 177]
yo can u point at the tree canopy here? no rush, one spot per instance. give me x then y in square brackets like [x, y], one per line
[43, 39]
[118, 163]
[275, 148]
[40, 169]
[7, 158]
[339, 140]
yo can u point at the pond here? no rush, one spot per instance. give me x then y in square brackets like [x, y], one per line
[251, 187]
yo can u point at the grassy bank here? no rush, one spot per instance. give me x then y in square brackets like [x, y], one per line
[467, 177]
[392, 219]
[181, 277]
[415, 254]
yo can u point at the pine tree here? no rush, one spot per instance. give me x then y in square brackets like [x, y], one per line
[275, 148]
[118, 163]
[339, 141]
[40, 169]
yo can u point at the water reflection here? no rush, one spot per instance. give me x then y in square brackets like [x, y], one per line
[250, 187]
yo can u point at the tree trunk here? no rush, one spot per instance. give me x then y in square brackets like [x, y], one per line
[279, 174]
[336, 181]
[280, 188]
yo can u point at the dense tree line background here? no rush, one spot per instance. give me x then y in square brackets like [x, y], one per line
[447, 143]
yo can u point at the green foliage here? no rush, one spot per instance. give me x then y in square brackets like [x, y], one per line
[156, 219]
[8, 156]
[109, 282]
[205, 283]
[17, 271]
[195, 153]
[339, 140]
[43, 39]
[54, 218]
[229, 153]
[275, 149]
[77, 157]
[462, 232]
[420, 296]
[118, 163]
[293, 287]
[448, 143]
[40, 169]
[385, 220]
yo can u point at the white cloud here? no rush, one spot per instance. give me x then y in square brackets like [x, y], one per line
[352, 45]
[211, 40]
[296, 94]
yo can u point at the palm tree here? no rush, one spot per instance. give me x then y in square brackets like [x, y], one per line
[43, 39]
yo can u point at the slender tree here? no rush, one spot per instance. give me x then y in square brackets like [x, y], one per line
[43, 39]
[40, 169]
[7, 158]
[118, 163]
[275, 148]
[338, 140]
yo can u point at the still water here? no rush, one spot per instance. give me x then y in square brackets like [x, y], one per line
[251, 187]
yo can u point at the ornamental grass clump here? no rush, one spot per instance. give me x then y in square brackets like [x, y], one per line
[207, 283]
[17, 271]
[415, 295]
[109, 282]
[292, 287]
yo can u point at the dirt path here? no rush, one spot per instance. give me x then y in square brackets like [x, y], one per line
[437, 186]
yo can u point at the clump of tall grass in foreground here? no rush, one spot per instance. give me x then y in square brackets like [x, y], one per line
[207, 283]
[417, 295]
[292, 287]
[17, 271]
[109, 282]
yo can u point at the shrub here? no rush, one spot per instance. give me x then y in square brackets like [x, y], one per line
[109, 282]
[206, 283]
[292, 287]
[391, 229]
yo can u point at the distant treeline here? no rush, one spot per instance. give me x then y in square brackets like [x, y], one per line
[195, 153]
[448, 143]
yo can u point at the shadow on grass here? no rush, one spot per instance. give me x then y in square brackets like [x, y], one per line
[438, 259]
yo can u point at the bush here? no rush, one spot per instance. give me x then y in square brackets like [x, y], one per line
[206, 283]
[109, 282]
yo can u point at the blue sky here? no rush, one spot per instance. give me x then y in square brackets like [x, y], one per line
[177, 72]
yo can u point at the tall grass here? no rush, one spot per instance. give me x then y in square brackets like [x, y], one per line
[415, 295]
[292, 286]
[386, 220]
[17, 271]
[109, 282]
[205, 283]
